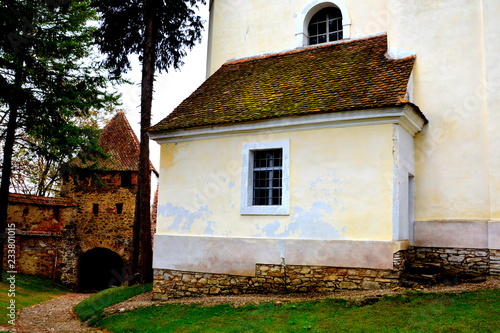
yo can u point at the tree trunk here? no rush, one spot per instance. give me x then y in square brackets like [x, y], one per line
[143, 253]
[8, 150]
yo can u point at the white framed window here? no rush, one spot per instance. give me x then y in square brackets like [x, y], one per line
[325, 26]
[265, 185]
[323, 21]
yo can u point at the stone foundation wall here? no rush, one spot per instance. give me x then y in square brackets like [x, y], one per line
[482, 261]
[495, 262]
[276, 279]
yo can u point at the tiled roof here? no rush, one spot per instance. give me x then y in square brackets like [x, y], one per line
[120, 142]
[343, 76]
[15, 198]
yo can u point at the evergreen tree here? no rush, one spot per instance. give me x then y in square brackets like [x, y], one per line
[159, 31]
[39, 172]
[47, 81]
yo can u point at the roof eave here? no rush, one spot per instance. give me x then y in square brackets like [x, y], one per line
[407, 115]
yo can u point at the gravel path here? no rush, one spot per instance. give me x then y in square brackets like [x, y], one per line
[57, 315]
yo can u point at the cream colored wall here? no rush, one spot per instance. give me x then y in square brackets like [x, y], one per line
[245, 28]
[491, 13]
[341, 186]
[456, 155]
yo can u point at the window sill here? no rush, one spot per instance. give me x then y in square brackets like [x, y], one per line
[265, 210]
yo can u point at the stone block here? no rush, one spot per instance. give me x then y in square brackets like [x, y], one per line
[214, 290]
[369, 285]
[305, 270]
[348, 285]
[456, 258]
[352, 272]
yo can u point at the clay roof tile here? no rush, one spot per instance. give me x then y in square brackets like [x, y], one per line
[334, 77]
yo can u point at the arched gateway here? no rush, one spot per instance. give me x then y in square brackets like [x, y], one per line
[99, 269]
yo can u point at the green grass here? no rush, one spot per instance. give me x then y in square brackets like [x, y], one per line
[30, 290]
[91, 309]
[477, 311]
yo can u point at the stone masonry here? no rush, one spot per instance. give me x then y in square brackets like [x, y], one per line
[467, 260]
[92, 221]
[277, 279]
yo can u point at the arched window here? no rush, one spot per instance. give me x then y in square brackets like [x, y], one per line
[325, 26]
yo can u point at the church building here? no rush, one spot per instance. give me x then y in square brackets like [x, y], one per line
[333, 145]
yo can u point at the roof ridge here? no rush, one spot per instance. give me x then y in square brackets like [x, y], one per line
[304, 49]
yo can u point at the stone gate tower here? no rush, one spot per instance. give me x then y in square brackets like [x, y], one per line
[103, 223]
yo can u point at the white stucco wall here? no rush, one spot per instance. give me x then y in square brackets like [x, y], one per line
[403, 196]
[348, 189]
[245, 28]
[455, 84]
[457, 187]
[340, 186]
[452, 151]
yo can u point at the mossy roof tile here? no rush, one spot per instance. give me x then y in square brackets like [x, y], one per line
[119, 141]
[328, 78]
[15, 198]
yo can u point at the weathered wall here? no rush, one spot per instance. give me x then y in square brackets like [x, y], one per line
[457, 167]
[53, 233]
[277, 279]
[348, 202]
[331, 197]
[37, 218]
[454, 87]
[245, 28]
[39, 224]
[98, 222]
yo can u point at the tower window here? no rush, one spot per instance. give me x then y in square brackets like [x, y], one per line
[119, 208]
[95, 209]
[325, 26]
[57, 213]
[126, 179]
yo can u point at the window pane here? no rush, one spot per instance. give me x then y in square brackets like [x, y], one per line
[313, 29]
[322, 28]
[276, 200]
[277, 180]
[326, 22]
[267, 177]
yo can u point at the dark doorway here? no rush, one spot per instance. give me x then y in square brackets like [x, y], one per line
[99, 269]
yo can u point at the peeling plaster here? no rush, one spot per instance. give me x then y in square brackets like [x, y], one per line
[208, 229]
[183, 219]
[310, 224]
[271, 229]
[303, 223]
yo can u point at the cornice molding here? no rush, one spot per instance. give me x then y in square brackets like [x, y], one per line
[406, 116]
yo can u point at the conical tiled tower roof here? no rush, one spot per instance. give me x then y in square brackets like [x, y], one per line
[119, 141]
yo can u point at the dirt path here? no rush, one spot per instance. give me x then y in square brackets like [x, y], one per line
[55, 315]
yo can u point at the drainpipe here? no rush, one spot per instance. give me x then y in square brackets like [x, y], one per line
[284, 274]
